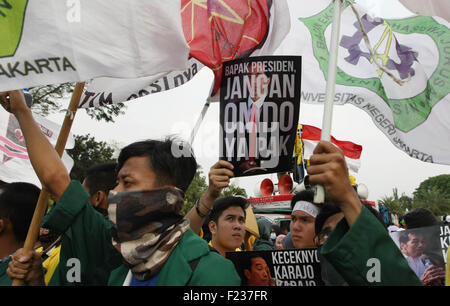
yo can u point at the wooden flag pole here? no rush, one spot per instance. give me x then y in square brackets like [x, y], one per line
[319, 192]
[44, 196]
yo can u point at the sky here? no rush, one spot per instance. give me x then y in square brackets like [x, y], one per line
[175, 112]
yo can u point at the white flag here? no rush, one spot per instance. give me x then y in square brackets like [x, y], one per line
[47, 42]
[414, 116]
[15, 165]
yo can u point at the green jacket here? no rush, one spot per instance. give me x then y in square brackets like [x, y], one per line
[365, 251]
[178, 272]
[86, 238]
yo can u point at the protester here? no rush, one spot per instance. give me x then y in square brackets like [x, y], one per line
[151, 181]
[17, 204]
[219, 177]
[303, 218]
[359, 237]
[98, 181]
[256, 271]
[227, 224]
[278, 242]
[419, 217]
[264, 241]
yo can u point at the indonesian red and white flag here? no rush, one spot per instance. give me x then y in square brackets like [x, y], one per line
[310, 136]
[15, 165]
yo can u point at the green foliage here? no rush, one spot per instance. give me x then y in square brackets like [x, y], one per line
[396, 205]
[88, 152]
[45, 102]
[233, 190]
[433, 193]
[195, 190]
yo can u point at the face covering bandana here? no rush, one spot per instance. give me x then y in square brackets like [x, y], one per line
[146, 227]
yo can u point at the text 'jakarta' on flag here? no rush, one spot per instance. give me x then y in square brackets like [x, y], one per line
[51, 42]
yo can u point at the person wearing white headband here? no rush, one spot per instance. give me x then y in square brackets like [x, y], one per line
[303, 217]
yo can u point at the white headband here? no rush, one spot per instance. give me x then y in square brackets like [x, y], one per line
[307, 207]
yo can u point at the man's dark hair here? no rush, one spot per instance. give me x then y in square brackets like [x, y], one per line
[222, 204]
[420, 217]
[247, 261]
[304, 195]
[17, 204]
[101, 177]
[177, 170]
[326, 210]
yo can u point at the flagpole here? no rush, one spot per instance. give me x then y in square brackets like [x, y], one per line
[202, 116]
[44, 196]
[319, 194]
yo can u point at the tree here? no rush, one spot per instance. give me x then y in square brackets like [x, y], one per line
[434, 194]
[88, 152]
[233, 190]
[195, 190]
[396, 205]
[45, 102]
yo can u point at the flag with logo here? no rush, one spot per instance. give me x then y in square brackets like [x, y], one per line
[15, 165]
[411, 111]
[310, 137]
[47, 42]
[216, 31]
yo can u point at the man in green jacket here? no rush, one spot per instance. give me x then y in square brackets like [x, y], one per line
[359, 248]
[150, 235]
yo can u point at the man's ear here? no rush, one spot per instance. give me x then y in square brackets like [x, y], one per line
[247, 273]
[212, 227]
[97, 198]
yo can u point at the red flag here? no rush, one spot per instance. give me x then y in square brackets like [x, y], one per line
[222, 30]
[351, 150]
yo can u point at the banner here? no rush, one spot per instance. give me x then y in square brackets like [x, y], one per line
[310, 136]
[422, 250]
[47, 42]
[297, 267]
[415, 51]
[235, 34]
[15, 165]
[104, 91]
[259, 110]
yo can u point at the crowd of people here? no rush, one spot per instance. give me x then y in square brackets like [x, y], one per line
[122, 226]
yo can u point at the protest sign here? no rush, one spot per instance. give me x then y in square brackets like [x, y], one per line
[297, 267]
[422, 249]
[259, 110]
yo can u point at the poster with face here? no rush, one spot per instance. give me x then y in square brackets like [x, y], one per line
[422, 250]
[259, 111]
[296, 267]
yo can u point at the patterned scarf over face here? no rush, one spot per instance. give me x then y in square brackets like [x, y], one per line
[147, 226]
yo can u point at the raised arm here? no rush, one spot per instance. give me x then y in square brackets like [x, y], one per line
[45, 160]
[219, 178]
[328, 168]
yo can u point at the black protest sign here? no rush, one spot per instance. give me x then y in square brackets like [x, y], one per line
[422, 250]
[296, 267]
[259, 111]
